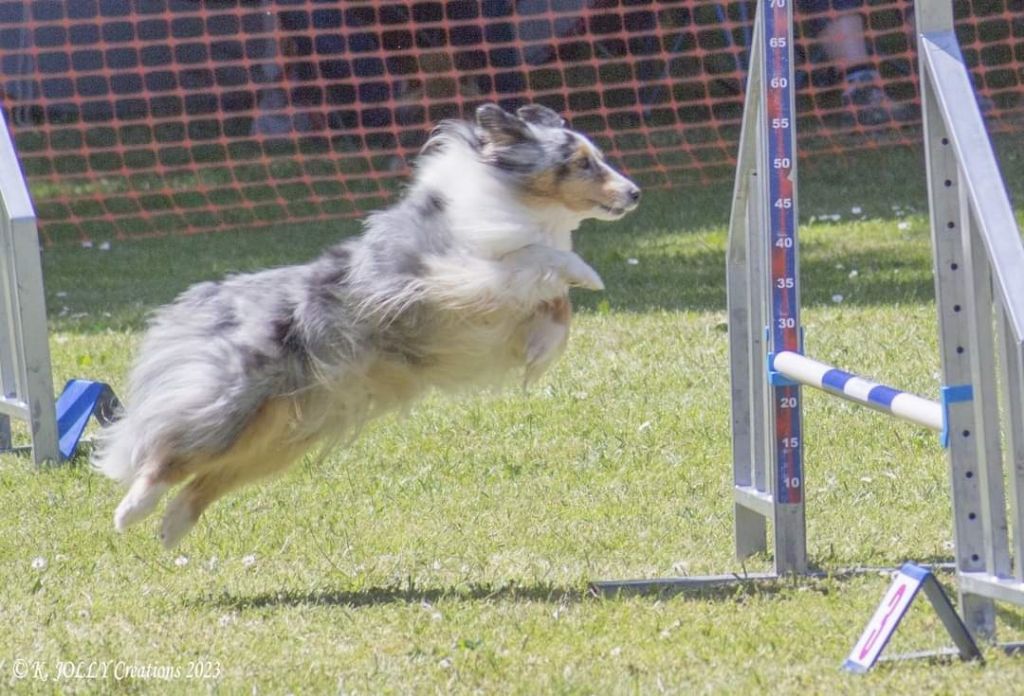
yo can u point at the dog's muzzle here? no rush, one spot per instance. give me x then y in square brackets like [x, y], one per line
[625, 201]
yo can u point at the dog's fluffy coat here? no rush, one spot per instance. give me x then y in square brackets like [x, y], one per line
[462, 283]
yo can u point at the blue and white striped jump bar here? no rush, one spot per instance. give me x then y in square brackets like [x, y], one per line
[913, 408]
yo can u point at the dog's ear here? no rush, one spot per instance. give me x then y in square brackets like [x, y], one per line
[501, 127]
[540, 115]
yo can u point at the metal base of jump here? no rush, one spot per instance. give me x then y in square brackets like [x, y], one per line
[704, 583]
[978, 285]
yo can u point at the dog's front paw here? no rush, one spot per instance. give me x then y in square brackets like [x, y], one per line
[579, 273]
[554, 265]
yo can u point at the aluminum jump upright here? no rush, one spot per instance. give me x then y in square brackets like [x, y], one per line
[26, 384]
[979, 281]
[979, 284]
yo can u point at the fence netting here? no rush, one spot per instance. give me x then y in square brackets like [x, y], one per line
[149, 117]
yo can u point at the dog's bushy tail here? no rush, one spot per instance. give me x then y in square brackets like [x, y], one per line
[119, 452]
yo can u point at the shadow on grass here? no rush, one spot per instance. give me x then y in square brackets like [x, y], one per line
[375, 596]
[723, 589]
[511, 592]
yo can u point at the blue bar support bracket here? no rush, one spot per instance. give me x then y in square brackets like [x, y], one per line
[777, 379]
[953, 394]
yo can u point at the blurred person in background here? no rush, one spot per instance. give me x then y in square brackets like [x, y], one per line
[837, 28]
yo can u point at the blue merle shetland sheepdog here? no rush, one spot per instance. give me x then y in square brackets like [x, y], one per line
[463, 283]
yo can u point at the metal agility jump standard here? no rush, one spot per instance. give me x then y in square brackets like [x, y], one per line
[978, 261]
[26, 383]
[767, 450]
[26, 386]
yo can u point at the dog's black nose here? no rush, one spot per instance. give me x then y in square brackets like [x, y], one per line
[634, 195]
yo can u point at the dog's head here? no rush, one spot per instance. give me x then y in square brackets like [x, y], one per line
[551, 164]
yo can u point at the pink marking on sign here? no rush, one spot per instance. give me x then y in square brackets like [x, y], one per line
[877, 630]
[884, 621]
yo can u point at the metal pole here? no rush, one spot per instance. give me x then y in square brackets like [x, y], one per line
[780, 168]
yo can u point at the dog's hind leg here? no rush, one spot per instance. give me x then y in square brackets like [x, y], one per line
[265, 447]
[139, 502]
[146, 490]
[184, 510]
[192, 500]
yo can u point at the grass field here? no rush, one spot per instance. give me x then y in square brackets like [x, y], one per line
[450, 551]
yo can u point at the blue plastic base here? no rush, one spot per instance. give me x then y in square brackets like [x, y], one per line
[80, 399]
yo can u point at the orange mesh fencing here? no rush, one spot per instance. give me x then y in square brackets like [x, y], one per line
[143, 117]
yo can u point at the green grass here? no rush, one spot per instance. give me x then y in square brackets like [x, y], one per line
[451, 550]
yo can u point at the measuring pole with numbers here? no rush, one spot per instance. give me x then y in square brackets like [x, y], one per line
[779, 153]
[764, 304]
[764, 318]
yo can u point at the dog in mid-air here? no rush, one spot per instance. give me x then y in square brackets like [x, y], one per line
[463, 283]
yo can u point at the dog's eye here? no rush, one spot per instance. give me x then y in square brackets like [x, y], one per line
[585, 164]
